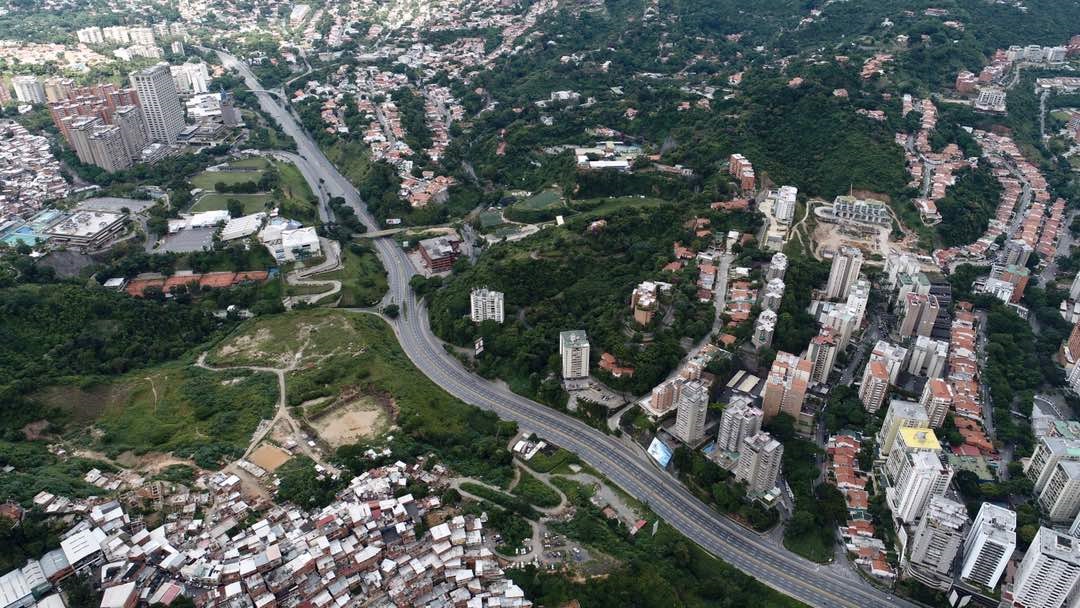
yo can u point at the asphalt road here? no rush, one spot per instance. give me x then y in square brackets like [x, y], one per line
[631, 470]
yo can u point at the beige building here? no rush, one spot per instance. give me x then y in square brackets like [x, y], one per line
[759, 463]
[574, 350]
[693, 404]
[846, 264]
[875, 385]
[785, 387]
[937, 398]
[900, 415]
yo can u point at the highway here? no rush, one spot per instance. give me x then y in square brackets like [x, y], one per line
[632, 470]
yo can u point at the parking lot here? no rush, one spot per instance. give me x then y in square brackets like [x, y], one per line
[193, 239]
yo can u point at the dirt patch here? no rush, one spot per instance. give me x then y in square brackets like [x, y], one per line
[354, 419]
[35, 431]
[269, 457]
[247, 344]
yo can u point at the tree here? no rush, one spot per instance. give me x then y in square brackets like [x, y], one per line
[235, 207]
[391, 310]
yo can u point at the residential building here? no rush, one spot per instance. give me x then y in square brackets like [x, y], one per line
[163, 112]
[936, 542]
[107, 149]
[665, 395]
[846, 264]
[858, 298]
[739, 421]
[1072, 345]
[822, 355]
[989, 546]
[936, 399]
[191, 78]
[1060, 497]
[1017, 276]
[778, 267]
[1017, 252]
[759, 463]
[875, 384]
[892, 355]
[928, 357]
[1048, 453]
[132, 125]
[440, 253]
[784, 201]
[574, 351]
[28, 89]
[901, 414]
[841, 321]
[645, 300]
[850, 210]
[918, 315]
[921, 476]
[90, 35]
[785, 387]
[908, 441]
[693, 407]
[57, 88]
[773, 295]
[486, 305]
[1048, 574]
[763, 329]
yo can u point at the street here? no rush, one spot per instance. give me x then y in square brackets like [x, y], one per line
[813, 584]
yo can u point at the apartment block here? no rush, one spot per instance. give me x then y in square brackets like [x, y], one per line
[928, 357]
[921, 476]
[875, 385]
[822, 355]
[1060, 497]
[936, 542]
[936, 399]
[1048, 574]
[693, 408]
[486, 305]
[574, 351]
[160, 103]
[844, 272]
[900, 415]
[785, 387]
[759, 463]
[989, 546]
[739, 420]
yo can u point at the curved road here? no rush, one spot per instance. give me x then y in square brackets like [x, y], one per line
[813, 584]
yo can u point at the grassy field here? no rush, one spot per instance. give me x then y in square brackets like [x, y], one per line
[600, 206]
[545, 199]
[490, 219]
[173, 408]
[363, 280]
[272, 341]
[207, 179]
[255, 162]
[215, 201]
[352, 159]
[293, 185]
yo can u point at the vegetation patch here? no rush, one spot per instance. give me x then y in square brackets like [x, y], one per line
[535, 492]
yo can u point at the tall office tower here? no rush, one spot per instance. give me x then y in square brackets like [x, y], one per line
[28, 89]
[763, 329]
[574, 350]
[846, 263]
[1049, 452]
[777, 267]
[922, 476]
[132, 127]
[759, 463]
[918, 315]
[58, 89]
[1060, 497]
[936, 542]
[858, 298]
[665, 395]
[936, 399]
[693, 404]
[773, 295]
[486, 305]
[989, 546]
[875, 384]
[160, 103]
[901, 414]
[107, 149]
[822, 355]
[892, 355]
[785, 387]
[739, 421]
[1049, 571]
[928, 357]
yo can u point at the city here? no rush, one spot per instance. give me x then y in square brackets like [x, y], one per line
[562, 303]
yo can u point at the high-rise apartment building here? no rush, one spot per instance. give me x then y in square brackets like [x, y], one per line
[902, 414]
[773, 295]
[928, 357]
[922, 475]
[1049, 571]
[1072, 345]
[90, 35]
[777, 267]
[160, 103]
[28, 89]
[893, 356]
[485, 305]
[665, 395]
[841, 320]
[129, 119]
[846, 263]
[908, 441]
[857, 299]
[822, 355]
[107, 149]
[57, 88]
[763, 329]
[936, 399]
[875, 385]
[693, 404]
[989, 546]
[739, 421]
[918, 315]
[574, 350]
[759, 463]
[785, 387]
[1049, 452]
[1060, 497]
[936, 542]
